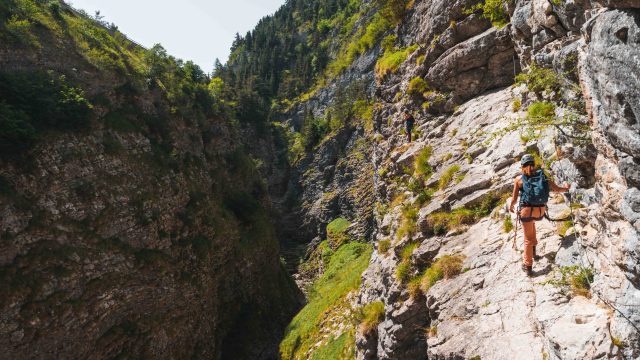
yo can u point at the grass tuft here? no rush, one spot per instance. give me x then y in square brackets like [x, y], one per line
[372, 315]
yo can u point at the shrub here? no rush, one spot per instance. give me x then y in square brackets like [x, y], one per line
[447, 176]
[413, 287]
[34, 102]
[394, 9]
[388, 42]
[372, 315]
[539, 79]
[493, 10]
[242, 205]
[21, 31]
[16, 131]
[417, 86]
[541, 111]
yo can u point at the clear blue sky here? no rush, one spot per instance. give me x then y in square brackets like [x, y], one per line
[198, 30]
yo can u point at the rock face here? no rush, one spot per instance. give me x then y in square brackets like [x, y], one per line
[113, 245]
[492, 310]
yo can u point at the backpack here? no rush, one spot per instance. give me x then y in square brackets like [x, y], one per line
[535, 189]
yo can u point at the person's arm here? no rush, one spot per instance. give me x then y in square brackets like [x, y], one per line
[557, 188]
[516, 191]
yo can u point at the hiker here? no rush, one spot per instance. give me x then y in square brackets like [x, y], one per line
[533, 187]
[409, 121]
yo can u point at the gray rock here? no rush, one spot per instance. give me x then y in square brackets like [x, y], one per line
[478, 64]
[613, 53]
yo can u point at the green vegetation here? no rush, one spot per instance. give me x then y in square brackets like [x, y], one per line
[493, 10]
[564, 226]
[507, 224]
[35, 102]
[516, 105]
[576, 279]
[384, 246]
[446, 267]
[539, 80]
[447, 176]
[403, 271]
[417, 86]
[408, 223]
[337, 232]
[372, 315]
[391, 61]
[421, 164]
[441, 222]
[342, 275]
[617, 342]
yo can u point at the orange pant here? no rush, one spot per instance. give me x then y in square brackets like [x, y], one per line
[529, 228]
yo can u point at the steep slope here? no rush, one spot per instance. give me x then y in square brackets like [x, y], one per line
[134, 223]
[439, 202]
[583, 300]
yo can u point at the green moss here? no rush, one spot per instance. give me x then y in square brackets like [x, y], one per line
[342, 275]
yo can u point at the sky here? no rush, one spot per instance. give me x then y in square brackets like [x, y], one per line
[198, 30]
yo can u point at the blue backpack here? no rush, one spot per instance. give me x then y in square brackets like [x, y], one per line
[535, 189]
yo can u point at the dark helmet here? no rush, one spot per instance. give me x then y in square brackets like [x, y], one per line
[527, 159]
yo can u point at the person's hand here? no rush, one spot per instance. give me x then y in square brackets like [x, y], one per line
[567, 187]
[511, 208]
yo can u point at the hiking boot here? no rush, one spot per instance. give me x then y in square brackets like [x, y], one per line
[536, 257]
[527, 269]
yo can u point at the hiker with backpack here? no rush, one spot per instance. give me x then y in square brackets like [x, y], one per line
[409, 121]
[533, 187]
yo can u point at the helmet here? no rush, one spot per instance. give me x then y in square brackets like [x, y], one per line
[526, 159]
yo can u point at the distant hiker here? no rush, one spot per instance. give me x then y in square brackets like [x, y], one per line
[409, 122]
[533, 187]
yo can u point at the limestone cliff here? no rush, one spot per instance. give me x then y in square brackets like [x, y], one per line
[142, 231]
[489, 83]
